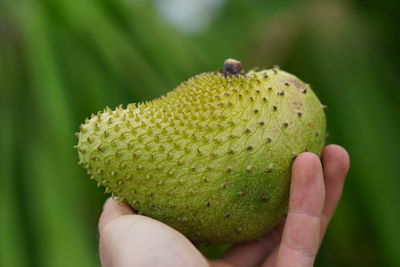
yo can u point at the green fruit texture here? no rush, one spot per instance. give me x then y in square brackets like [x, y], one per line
[212, 158]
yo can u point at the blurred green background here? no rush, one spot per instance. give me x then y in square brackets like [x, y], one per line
[61, 60]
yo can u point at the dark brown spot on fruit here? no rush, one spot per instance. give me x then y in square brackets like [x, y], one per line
[269, 170]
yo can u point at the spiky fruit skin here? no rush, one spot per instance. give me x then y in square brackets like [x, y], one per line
[213, 157]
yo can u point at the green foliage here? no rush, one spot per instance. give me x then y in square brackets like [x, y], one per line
[61, 60]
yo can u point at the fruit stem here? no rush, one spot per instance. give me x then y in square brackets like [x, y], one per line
[232, 67]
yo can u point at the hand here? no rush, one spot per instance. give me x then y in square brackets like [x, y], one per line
[127, 239]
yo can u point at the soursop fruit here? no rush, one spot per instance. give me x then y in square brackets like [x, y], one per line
[212, 158]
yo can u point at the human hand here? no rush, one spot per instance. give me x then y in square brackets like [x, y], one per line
[127, 239]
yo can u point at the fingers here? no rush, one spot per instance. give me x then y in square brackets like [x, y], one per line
[335, 160]
[301, 236]
[254, 252]
[111, 210]
[314, 196]
[127, 239]
[271, 259]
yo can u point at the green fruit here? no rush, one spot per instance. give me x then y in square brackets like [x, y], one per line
[213, 157]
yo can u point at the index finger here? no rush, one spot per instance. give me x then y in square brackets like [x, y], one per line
[300, 240]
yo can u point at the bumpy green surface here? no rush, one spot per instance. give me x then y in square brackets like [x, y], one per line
[212, 158]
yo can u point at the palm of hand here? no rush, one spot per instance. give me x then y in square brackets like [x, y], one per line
[127, 239]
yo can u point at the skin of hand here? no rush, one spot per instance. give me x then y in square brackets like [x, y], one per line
[128, 240]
